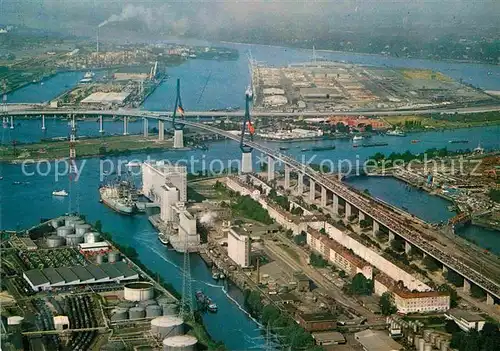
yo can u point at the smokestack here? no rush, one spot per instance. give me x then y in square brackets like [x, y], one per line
[97, 44]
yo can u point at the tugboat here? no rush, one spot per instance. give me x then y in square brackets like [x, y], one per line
[60, 193]
[215, 275]
[163, 238]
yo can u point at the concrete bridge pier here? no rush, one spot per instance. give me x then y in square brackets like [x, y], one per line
[300, 183]
[43, 122]
[407, 247]
[101, 125]
[348, 210]
[11, 122]
[392, 236]
[125, 125]
[466, 286]
[246, 162]
[178, 139]
[145, 127]
[445, 269]
[270, 168]
[312, 190]
[490, 300]
[161, 130]
[287, 177]
[335, 204]
[324, 198]
[376, 227]
[361, 216]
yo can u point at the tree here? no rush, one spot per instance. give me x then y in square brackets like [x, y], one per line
[364, 223]
[398, 245]
[453, 294]
[300, 239]
[386, 304]
[98, 226]
[316, 260]
[430, 263]
[360, 285]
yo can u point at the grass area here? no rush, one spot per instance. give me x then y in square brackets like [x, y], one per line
[425, 74]
[410, 122]
[101, 146]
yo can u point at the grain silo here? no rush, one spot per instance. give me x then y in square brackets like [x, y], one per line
[57, 222]
[136, 313]
[138, 291]
[55, 241]
[74, 239]
[165, 326]
[180, 343]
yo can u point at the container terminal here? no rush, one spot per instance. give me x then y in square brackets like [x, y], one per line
[66, 288]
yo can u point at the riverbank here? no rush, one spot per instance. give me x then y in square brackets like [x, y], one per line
[89, 147]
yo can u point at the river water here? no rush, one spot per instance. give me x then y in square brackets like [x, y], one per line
[23, 205]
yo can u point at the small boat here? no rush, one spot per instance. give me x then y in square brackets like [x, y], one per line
[133, 164]
[215, 275]
[357, 137]
[16, 183]
[60, 193]
[1, 178]
[304, 150]
[458, 141]
[212, 307]
[414, 141]
[396, 132]
[163, 238]
[284, 148]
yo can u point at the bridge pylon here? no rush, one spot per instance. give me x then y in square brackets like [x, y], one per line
[178, 127]
[246, 151]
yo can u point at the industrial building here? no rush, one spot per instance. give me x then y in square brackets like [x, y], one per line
[465, 320]
[337, 254]
[317, 321]
[328, 338]
[167, 186]
[408, 301]
[238, 246]
[48, 278]
[377, 340]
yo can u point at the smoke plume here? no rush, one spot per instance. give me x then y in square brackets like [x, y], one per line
[208, 218]
[146, 15]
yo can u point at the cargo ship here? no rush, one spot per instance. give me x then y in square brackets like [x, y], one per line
[323, 148]
[458, 141]
[374, 144]
[120, 197]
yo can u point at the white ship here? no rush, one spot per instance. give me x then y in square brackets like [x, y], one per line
[87, 78]
[60, 193]
[357, 138]
[396, 132]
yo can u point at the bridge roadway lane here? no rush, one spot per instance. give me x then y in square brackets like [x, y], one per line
[20, 110]
[393, 221]
[390, 219]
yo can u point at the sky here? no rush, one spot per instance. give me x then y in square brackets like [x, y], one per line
[81, 17]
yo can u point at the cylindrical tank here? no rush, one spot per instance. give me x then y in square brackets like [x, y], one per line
[99, 259]
[180, 343]
[427, 347]
[136, 313]
[427, 335]
[421, 344]
[92, 237]
[120, 314]
[55, 241]
[70, 220]
[437, 342]
[57, 222]
[64, 230]
[433, 338]
[416, 341]
[153, 311]
[82, 228]
[126, 304]
[445, 345]
[147, 303]
[167, 326]
[78, 222]
[139, 291]
[113, 256]
[169, 309]
[74, 239]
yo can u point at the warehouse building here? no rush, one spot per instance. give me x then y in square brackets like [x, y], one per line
[48, 278]
[377, 340]
[465, 320]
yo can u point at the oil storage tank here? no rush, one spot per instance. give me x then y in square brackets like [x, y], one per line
[92, 237]
[70, 220]
[165, 326]
[55, 241]
[136, 313]
[64, 230]
[170, 309]
[113, 256]
[153, 311]
[138, 291]
[180, 343]
[82, 228]
[57, 222]
[74, 239]
[119, 314]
